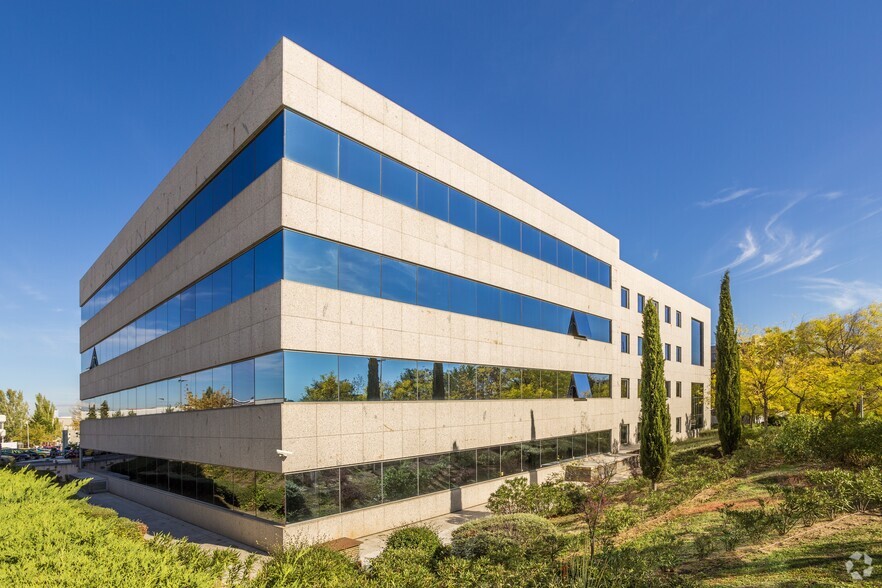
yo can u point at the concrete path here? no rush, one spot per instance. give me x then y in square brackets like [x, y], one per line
[158, 522]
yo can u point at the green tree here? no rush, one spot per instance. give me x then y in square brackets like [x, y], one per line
[728, 380]
[373, 383]
[13, 405]
[91, 414]
[45, 426]
[655, 423]
[104, 411]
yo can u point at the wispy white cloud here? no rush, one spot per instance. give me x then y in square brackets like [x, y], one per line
[33, 292]
[842, 295]
[727, 196]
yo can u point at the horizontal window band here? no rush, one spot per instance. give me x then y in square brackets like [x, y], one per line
[302, 258]
[305, 376]
[312, 494]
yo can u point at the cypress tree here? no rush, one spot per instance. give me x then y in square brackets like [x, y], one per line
[373, 383]
[728, 401]
[655, 423]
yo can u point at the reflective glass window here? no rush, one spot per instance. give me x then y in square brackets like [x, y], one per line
[510, 459]
[268, 262]
[311, 376]
[487, 221]
[487, 301]
[222, 386]
[188, 222]
[530, 455]
[360, 486]
[549, 248]
[547, 452]
[461, 381]
[510, 231]
[234, 488]
[639, 345]
[309, 495]
[626, 343]
[359, 165]
[400, 479]
[268, 147]
[580, 263]
[309, 260]
[488, 382]
[399, 182]
[564, 256]
[311, 144]
[605, 274]
[531, 315]
[359, 271]
[398, 280]
[626, 298]
[488, 464]
[434, 473]
[462, 210]
[271, 489]
[242, 275]
[510, 307]
[269, 377]
[221, 287]
[432, 380]
[243, 382]
[433, 288]
[531, 241]
[641, 301]
[463, 468]
[510, 382]
[399, 379]
[202, 297]
[463, 296]
[697, 342]
[359, 378]
[601, 385]
[581, 386]
[174, 312]
[432, 197]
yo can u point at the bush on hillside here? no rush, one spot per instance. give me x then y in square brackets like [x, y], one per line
[508, 540]
[551, 498]
[403, 567]
[304, 566]
[419, 537]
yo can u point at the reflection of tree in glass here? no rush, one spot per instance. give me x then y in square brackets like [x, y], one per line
[220, 398]
[488, 381]
[270, 496]
[373, 388]
[234, 488]
[399, 480]
[463, 382]
[600, 386]
[404, 388]
[359, 486]
[438, 392]
[539, 384]
[327, 386]
[434, 473]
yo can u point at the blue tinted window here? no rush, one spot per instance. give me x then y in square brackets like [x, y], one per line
[243, 382]
[221, 287]
[188, 305]
[188, 219]
[432, 197]
[359, 165]
[463, 296]
[594, 269]
[433, 288]
[268, 146]
[398, 280]
[268, 262]
[310, 376]
[462, 210]
[243, 275]
[641, 302]
[510, 307]
[549, 249]
[203, 207]
[399, 182]
[531, 241]
[488, 221]
[243, 170]
[531, 315]
[564, 256]
[359, 271]
[174, 233]
[605, 274]
[488, 302]
[268, 377]
[697, 342]
[174, 313]
[310, 144]
[222, 191]
[580, 263]
[639, 345]
[593, 327]
[310, 260]
[202, 293]
[548, 314]
[510, 231]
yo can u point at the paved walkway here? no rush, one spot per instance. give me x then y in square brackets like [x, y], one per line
[158, 522]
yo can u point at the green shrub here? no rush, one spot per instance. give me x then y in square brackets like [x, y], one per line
[705, 544]
[507, 540]
[751, 524]
[868, 489]
[617, 518]
[551, 498]
[418, 537]
[837, 486]
[51, 538]
[308, 566]
[403, 567]
[456, 572]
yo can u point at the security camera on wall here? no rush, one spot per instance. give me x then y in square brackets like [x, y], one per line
[283, 454]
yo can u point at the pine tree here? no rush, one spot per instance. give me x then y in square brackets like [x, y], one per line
[728, 400]
[655, 423]
[91, 414]
[104, 410]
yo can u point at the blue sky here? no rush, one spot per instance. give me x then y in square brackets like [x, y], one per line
[704, 135]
